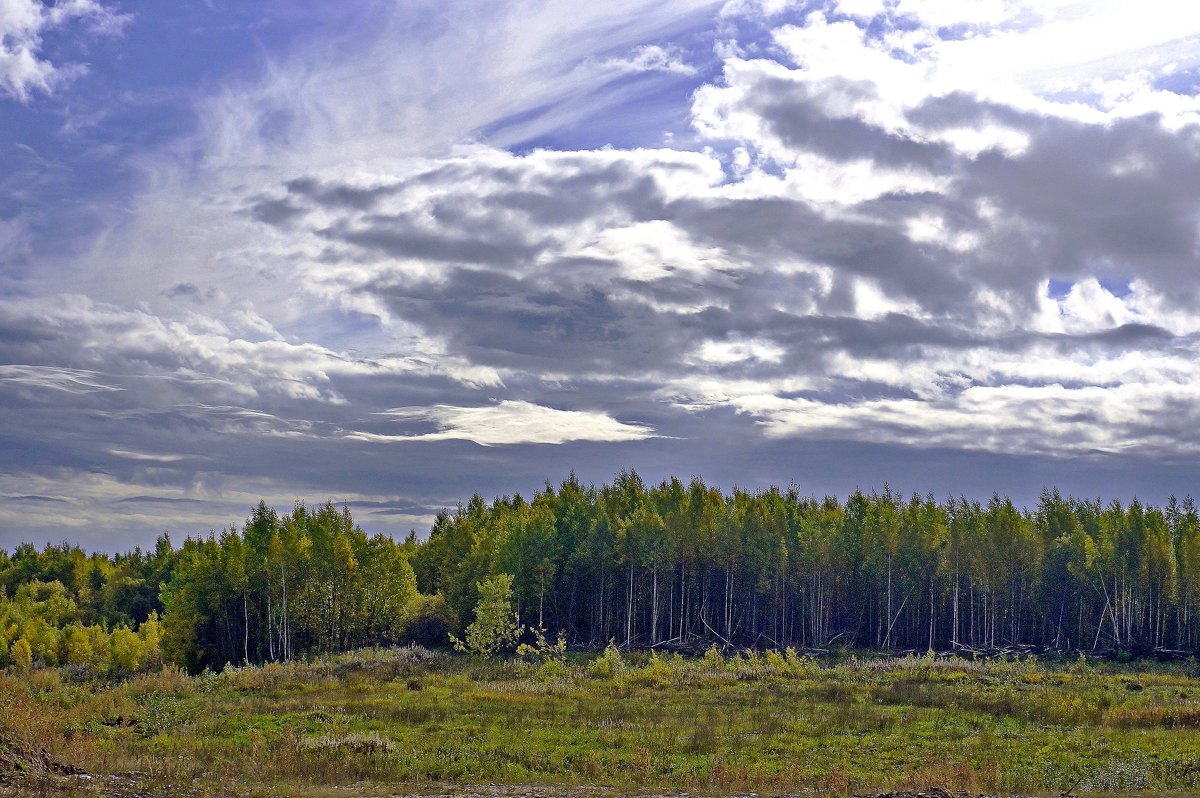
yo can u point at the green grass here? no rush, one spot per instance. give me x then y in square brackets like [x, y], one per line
[772, 725]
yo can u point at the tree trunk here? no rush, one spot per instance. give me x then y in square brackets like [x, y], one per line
[629, 609]
[654, 609]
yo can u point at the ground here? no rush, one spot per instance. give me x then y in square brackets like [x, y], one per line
[408, 721]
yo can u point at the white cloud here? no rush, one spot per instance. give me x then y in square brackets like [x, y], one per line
[55, 378]
[15, 239]
[651, 58]
[722, 353]
[947, 13]
[23, 23]
[863, 9]
[1049, 420]
[872, 302]
[1093, 62]
[511, 422]
[931, 228]
[362, 105]
[145, 457]
[757, 8]
[139, 344]
[652, 251]
[1088, 306]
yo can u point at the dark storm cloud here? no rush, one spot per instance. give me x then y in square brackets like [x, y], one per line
[796, 114]
[505, 321]
[1122, 197]
[205, 421]
[279, 212]
[1113, 199]
[775, 230]
[571, 188]
[1125, 337]
[395, 237]
[959, 109]
[184, 290]
[1080, 199]
[581, 316]
[341, 196]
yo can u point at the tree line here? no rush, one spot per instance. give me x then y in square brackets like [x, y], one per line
[653, 565]
[646, 565]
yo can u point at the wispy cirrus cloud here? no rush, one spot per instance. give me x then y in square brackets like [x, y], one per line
[55, 378]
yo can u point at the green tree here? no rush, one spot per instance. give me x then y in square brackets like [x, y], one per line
[125, 648]
[78, 647]
[495, 628]
[21, 654]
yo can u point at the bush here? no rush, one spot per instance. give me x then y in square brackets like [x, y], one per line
[659, 671]
[713, 659]
[797, 665]
[608, 664]
[541, 649]
[21, 655]
[748, 666]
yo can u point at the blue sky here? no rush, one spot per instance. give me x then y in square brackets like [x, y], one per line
[393, 253]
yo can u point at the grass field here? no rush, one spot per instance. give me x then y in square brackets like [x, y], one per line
[771, 724]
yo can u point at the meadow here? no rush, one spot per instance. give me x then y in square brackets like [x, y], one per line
[773, 723]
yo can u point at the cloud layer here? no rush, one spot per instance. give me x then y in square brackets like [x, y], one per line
[862, 235]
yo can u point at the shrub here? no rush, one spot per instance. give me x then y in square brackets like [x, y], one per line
[495, 628]
[44, 640]
[21, 655]
[542, 650]
[101, 648]
[749, 666]
[608, 664]
[713, 659]
[797, 664]
[658, 672]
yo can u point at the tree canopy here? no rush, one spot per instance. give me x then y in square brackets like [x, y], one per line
[639, 564]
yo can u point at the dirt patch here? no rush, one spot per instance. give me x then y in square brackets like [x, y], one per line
[27, 770]
[18, 758]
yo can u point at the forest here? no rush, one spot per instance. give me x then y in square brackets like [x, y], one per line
[642, 566]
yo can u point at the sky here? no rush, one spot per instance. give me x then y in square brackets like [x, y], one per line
[391, 254]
